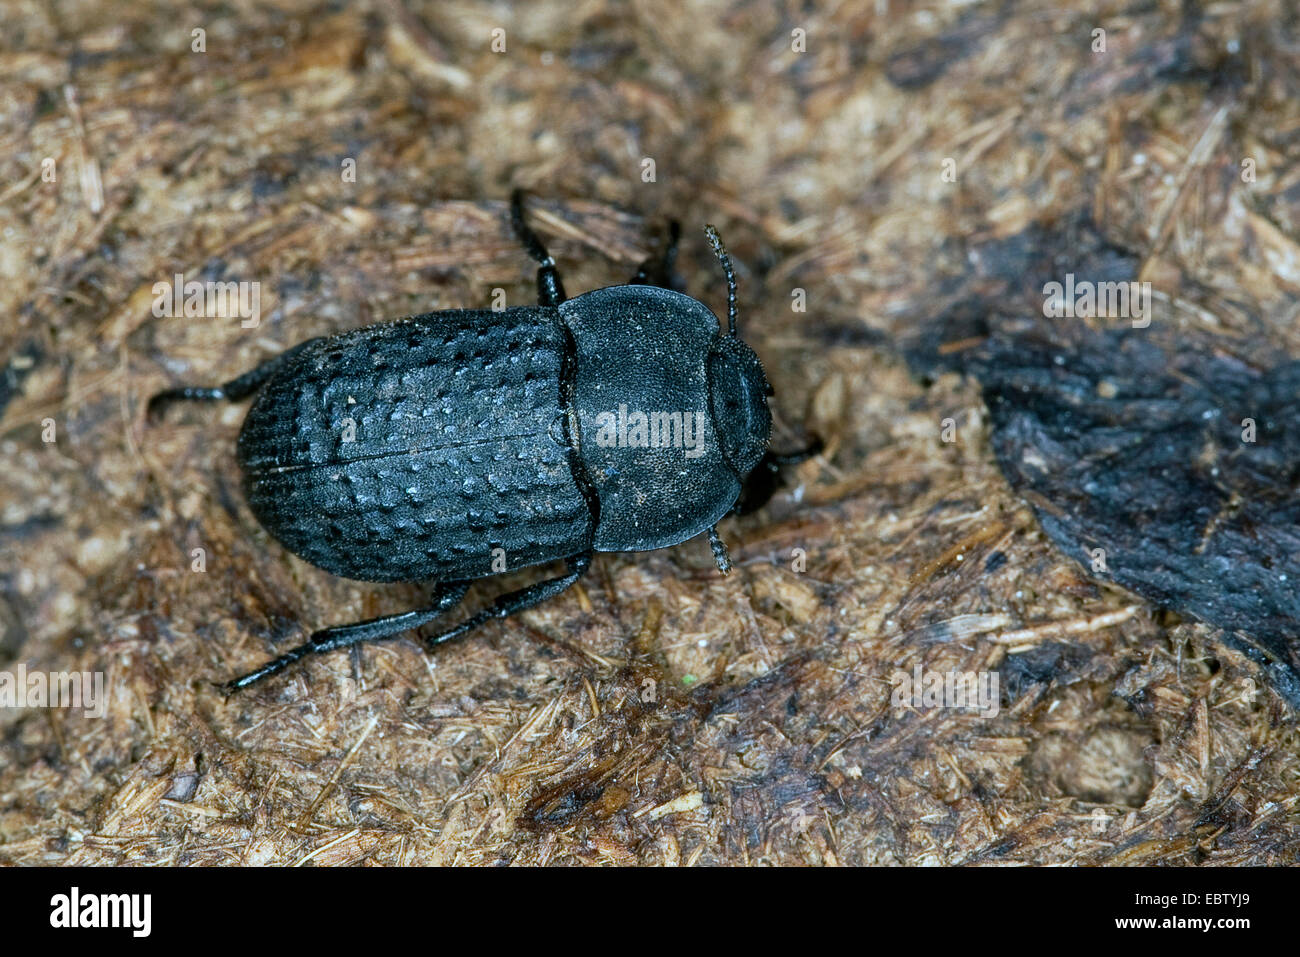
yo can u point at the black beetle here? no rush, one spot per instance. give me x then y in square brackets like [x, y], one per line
[453, 445]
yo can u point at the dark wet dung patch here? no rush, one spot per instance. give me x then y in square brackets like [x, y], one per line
[1163, 460]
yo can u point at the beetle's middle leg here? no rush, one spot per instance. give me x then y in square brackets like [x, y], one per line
[550, 290]
[514, 601]
[238, 388]
[345, 636]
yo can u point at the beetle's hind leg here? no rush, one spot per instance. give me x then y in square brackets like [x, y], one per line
[390, 626]
[550, 290]
[235, 390]
[658, 270]
[346, 636]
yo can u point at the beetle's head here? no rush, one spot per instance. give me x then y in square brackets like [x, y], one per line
[738, 387]
[738, 392]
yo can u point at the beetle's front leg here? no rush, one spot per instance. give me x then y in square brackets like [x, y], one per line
[658, 270]
[235, 390]
[761, 484]
[550, 291]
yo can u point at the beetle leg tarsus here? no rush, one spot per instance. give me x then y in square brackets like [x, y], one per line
[550, 290]
[720, 554]
[236, 390]
[511, 602]
[346, 636]
[658, 270]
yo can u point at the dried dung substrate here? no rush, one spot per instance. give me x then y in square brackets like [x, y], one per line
[896, 183]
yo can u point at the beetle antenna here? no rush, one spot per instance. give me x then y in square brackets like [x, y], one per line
[719, 550]
[721, 251]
